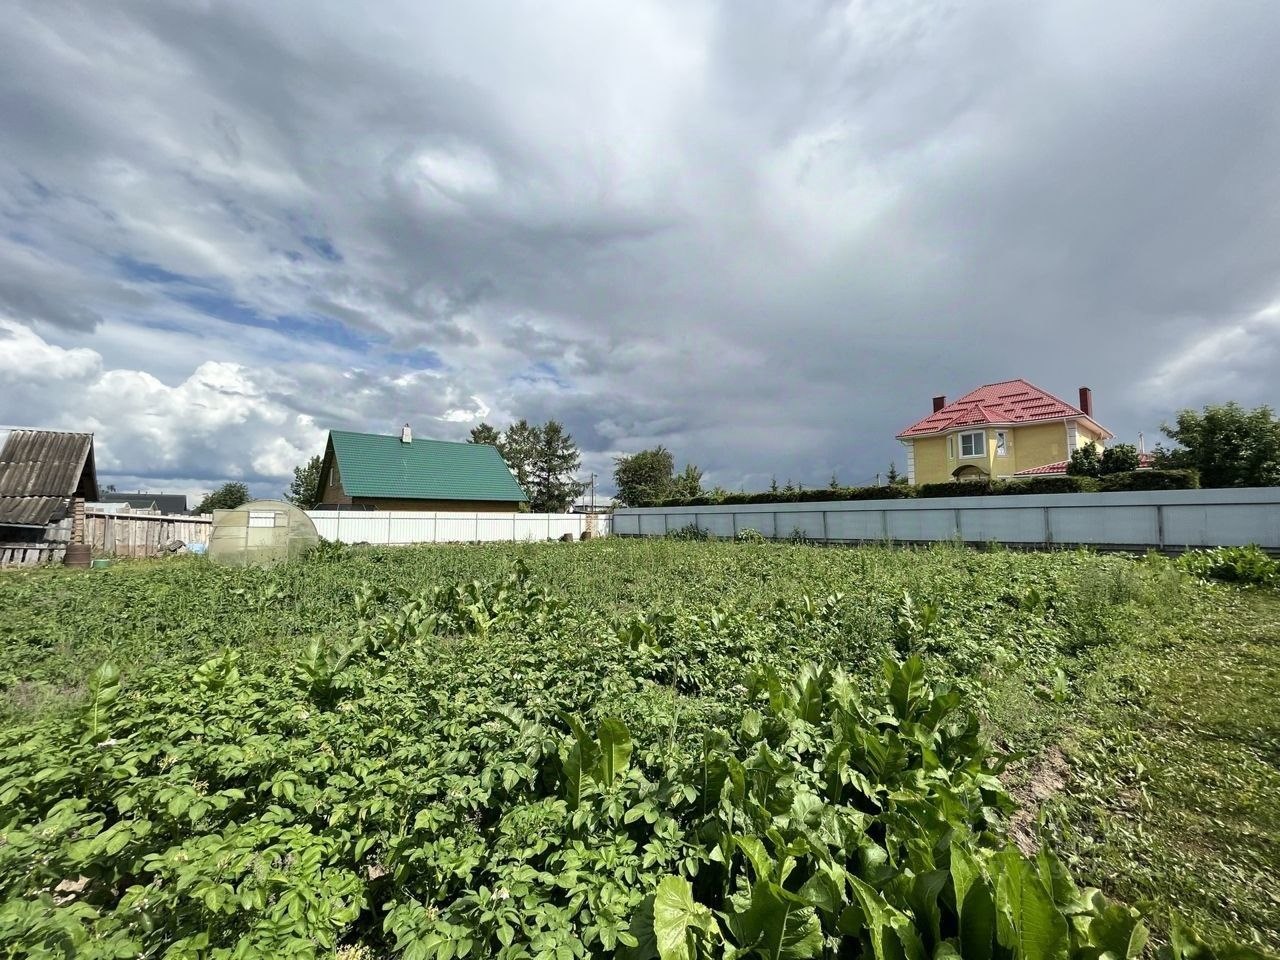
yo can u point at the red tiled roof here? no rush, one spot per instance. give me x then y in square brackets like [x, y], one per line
[1012, 401]
[1145, 460]
[1048, 469]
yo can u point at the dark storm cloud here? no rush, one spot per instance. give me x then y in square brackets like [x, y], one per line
[761, 234]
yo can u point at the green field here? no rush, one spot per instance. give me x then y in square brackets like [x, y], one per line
[639, 749]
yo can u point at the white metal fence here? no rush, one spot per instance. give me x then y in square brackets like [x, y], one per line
[1164, 519]
[390, 527]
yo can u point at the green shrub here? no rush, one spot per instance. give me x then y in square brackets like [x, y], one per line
[1149, 480]
[1009, 488]
[1244, 565]
[750, 536]
[956, 488]
[818, 495]
[690, 532]
[1050, 485]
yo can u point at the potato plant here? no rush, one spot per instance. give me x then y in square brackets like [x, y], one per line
[486, 767]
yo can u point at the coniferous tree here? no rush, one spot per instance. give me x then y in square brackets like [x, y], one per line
[554, 462]
[519, 447]
[486, 434]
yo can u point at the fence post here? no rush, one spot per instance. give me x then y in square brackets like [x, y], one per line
[884, 525]
[775, 525]
[956, 520]
[477, 528]
[513, 527]
[388, 527]
[1160, 525]
[1048, 527]
[825, 538]
[435, 528]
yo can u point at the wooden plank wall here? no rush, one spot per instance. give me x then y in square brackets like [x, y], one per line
[109, 535]
[41, 548]
[141, 535]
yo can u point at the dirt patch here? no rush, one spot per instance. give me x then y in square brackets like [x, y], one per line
[1030, 786]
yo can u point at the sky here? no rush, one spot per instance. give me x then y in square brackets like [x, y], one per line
[763, 235]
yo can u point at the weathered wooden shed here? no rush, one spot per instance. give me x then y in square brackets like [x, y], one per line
[45, 478]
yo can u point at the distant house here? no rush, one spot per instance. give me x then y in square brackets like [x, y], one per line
[169, 504]
[376, 472]
[1000, 431]
[45, 478]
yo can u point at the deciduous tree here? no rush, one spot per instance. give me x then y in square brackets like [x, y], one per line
[227, 497]
[1085, 461]
[644, 477]
[687, 484]
[1229, 445]
[1119, 458]
[304, 491]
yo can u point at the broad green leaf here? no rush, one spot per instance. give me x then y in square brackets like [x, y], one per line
[761, 863]
[1058, 882]
[975, 904]
[104, 687]
[906, 686]
[582, 763]
[678, 918]
[1027, 921]
[575, 775]
[825, 890]
[806, 693]
[923, 897]
[646, 945]
[615, 749]
[887, 930]
[1117, 932]
[779, 924]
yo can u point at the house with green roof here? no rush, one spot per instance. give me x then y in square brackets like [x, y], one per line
[370, 471]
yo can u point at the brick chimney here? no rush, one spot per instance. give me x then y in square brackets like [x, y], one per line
[939, 403]
[1086, 401]
[406, 435]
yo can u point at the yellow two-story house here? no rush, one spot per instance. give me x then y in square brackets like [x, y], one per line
[1000, 431]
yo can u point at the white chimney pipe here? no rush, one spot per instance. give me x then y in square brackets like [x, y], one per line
[406, 435]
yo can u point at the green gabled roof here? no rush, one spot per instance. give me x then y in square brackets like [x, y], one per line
[373, 465]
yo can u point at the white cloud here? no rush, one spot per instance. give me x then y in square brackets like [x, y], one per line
[763, 236]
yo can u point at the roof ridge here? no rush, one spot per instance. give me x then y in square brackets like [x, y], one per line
[392, 436]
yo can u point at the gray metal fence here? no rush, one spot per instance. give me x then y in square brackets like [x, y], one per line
[1164, 520]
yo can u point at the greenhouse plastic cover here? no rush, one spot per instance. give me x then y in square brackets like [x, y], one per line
[260, 533]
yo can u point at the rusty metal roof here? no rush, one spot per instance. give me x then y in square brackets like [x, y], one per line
[40, 470]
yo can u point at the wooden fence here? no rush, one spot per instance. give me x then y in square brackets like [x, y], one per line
[109, 535]
[141, 534]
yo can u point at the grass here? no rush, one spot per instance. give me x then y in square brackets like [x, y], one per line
[1175, 761]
